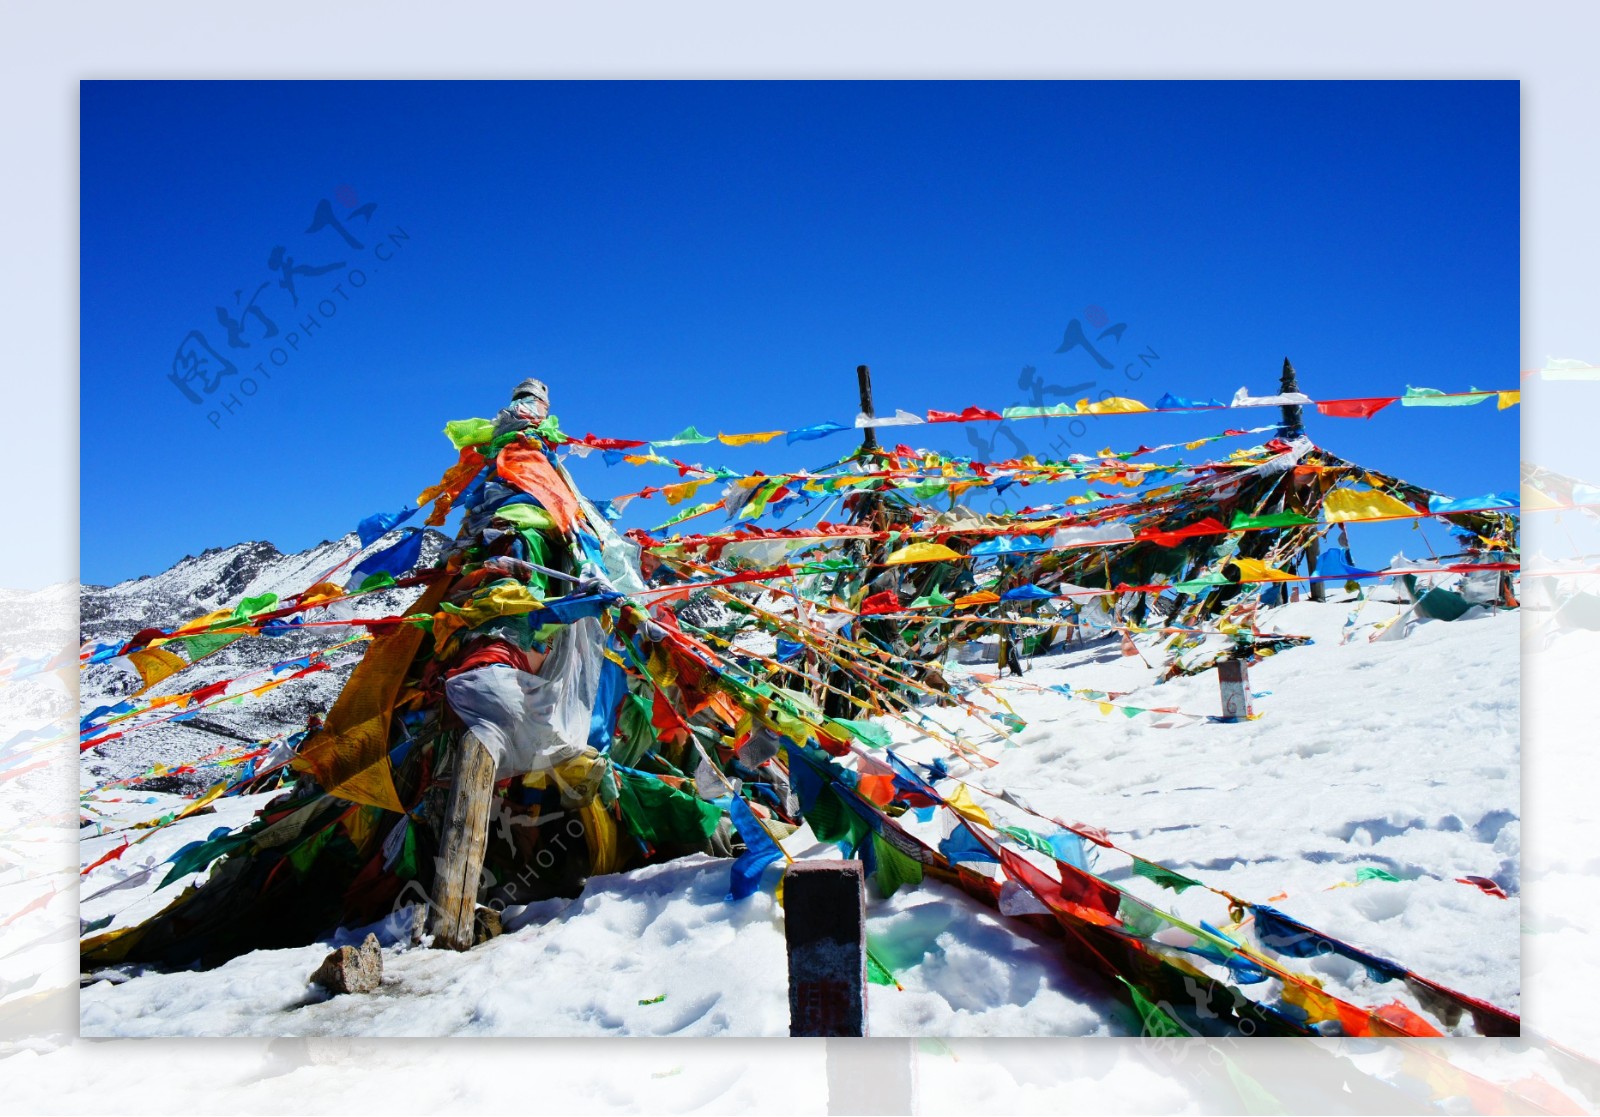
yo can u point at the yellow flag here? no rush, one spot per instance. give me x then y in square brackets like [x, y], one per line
[1368, 504]
[921, 552]
[322, 591]
[350, 756]
[1115, 405]
[747, 439]
[155, 664]
[1254, 570]
[504, 599]
[677, 494]
[202, 623]
[215, 790]
[961, 802]
[1510, 399]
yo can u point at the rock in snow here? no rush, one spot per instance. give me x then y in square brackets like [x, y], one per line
[351, 969]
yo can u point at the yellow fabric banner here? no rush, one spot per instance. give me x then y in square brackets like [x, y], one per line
[1367, 504]
[322, 591]
[748, 439]
[1254, 570]
[1533, 499]
[921, 552]
[202, 623]
[961, 802]
[350, 756]
[1115, 405]
[199, 804]
[155, 664]
[503, 599]
[677, 494]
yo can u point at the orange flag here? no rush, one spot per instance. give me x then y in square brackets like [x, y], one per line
[451, 485]
[523, 464]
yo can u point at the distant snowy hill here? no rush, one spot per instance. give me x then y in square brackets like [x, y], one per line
[219, 578]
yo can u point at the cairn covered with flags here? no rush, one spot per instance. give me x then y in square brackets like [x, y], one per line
[563, 701]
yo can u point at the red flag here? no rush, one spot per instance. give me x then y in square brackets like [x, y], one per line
[112, 856]
[208, 692]
[885, 602]
[968, 415]
[1355, 408]
[89, 744]
[1484, 885]
[1207, 526]
[606, 443]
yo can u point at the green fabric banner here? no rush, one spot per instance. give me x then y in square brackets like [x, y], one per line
[662, 815]
[1165, 877]
[894, 867]
[198, 647]
[1242, 520]
[468, 432]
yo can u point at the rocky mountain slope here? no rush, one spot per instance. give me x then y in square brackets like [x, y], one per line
[196, 585]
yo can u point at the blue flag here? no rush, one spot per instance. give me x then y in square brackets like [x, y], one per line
[396, 559]
[376, 524]
[819, 430]
[760, 850]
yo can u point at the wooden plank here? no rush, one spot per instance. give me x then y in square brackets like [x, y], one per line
[461, 847]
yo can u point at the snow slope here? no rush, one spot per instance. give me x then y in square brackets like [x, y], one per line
[1400, 756]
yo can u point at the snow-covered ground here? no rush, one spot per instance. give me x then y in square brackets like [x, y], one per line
[1396, 755]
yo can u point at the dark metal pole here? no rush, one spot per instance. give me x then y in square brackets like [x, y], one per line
[1291, 427]
[869, 440]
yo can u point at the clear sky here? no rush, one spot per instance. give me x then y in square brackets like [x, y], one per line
[725, 254]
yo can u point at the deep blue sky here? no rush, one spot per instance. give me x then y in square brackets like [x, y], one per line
[725, 254]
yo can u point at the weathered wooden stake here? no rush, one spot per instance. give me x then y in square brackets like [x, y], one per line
[461, 847]
[1234, 680]
[824, 906]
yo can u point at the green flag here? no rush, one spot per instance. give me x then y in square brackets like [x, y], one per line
[894, 867]
[468, 432]
[1163, 876]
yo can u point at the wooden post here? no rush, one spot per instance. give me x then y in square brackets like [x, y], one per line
[1233, 678]
[824, 904]
[461, 846]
